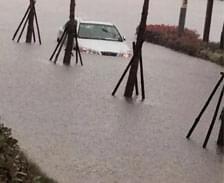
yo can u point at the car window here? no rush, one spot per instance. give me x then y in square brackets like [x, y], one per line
[99, 31]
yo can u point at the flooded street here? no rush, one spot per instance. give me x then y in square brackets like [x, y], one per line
[69, 124]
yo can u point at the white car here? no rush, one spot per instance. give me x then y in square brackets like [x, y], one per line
[100, 38]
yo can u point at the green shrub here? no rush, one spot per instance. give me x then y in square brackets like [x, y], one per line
[14, 166]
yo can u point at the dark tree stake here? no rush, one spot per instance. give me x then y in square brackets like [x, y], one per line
[30, 29]
[38, 29]
[68, 35]
[29, 17]
[136, 59]
[214, 116]
[17, 30]
[213, 119]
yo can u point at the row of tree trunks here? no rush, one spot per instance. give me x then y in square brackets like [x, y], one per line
[181, 25]
[208, 19]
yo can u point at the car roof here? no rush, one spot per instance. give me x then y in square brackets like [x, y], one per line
[94, 22]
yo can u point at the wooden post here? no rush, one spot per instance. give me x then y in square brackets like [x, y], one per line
[208, 20]
[182, 18]
[70, 39]
[30, 29]
[137, 52]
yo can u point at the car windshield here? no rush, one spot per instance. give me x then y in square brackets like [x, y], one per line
[98, 31]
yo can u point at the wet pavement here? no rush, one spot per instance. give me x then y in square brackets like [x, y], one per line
[67, 121]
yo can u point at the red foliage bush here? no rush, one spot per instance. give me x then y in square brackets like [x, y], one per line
[168, 36]
[188, 42]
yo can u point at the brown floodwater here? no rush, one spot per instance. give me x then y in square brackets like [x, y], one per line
[67, 121]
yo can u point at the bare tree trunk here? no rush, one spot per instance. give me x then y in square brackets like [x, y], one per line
[222, 38]
[182, 18]
[30, 28]
[137, 52]
[71, 29]
[208, 20]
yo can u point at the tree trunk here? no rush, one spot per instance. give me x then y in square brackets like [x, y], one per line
[208, 20]
[182, 18]
[70, 39]
[137, 52]
[30, 28]
[222, 38]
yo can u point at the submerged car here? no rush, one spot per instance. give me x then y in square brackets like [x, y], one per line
[100, 38]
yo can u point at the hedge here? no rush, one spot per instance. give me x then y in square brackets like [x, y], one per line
[188, 42]
[14, 166]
